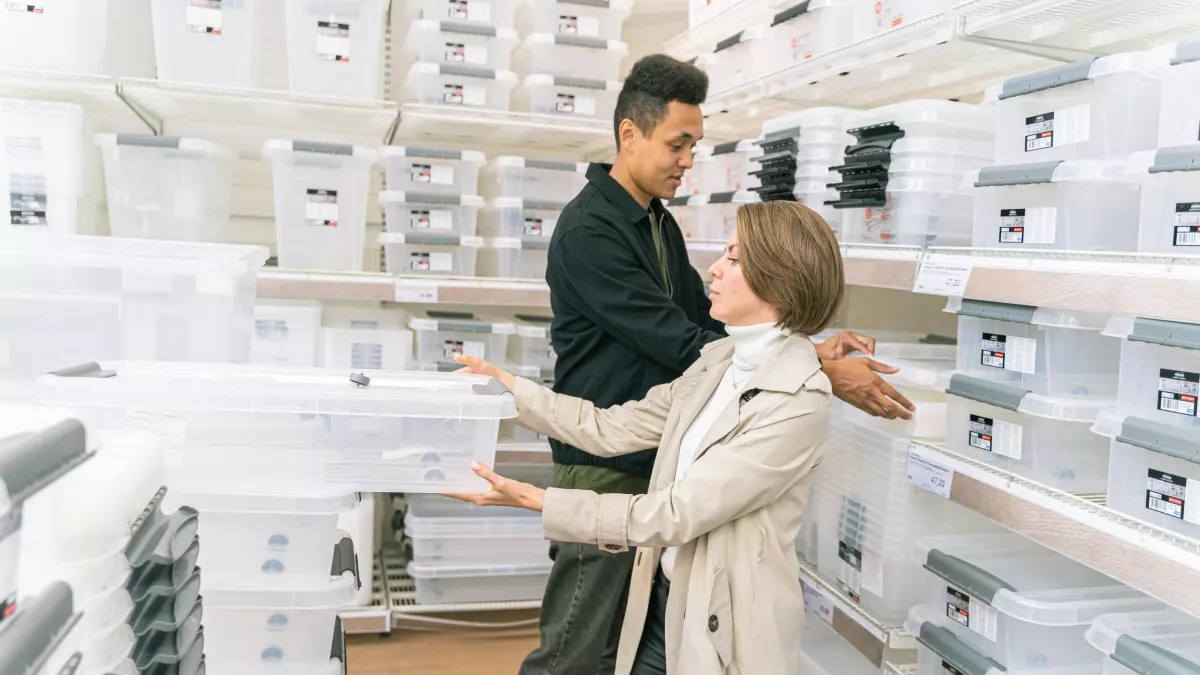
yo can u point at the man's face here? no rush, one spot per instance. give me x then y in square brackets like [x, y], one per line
[657, 161]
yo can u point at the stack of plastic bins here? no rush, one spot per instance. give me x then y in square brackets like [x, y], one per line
[516, 217]
[538, 180]
[824, 652]
[446, 41]
[433, 171]
[733, 167]
[208, 44]
[286, 333]
[479, 582]
[1179, 115]
[431, 213]
[1083, 205]
[42, 155]
[430, 253]
[105, 37]
[100, 297]
[1030, 381]
[335, 47]
[574, 96]
[1016, 603]
[1170, 206]
[1101, 107]
[161, 187]
[446, 532]
[1154, 469]
[716, 215]
[1141, 642]
[740, 58]
[889, 14]
[458, 85]
[366, 348]
[499, 13]
[530, 345]
[574, 17]
[940, 652]
[441, 336]
[806, 29]
[798, 151]
[320, 203]
[915, 207]
[514, 257]
[563, 55]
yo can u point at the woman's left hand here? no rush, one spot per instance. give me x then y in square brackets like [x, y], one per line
[844, 344]
[504, 492]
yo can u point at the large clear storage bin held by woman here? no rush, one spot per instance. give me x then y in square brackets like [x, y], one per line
[430, 253]
[1092, 109]
[320, 203]
[569, 55]
[1179, 115]
[446, 41]
[431, 170]
[335, 47]
[1169, 221]
[441, 336]
[209, 42]
[432, 213]
[162, 187]
[586, 18]
[456, 84]
[41, 165]
[575, 96]
[1142, 642]
[539, 180]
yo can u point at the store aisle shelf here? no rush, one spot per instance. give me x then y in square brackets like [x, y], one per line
[378, 287]
[1155, 561]
[500, 132]
[377, 618]
[96, 94]
[877, 640]
[305, 285]
[703, 38]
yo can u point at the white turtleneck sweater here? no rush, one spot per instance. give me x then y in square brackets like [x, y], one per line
[751, 346]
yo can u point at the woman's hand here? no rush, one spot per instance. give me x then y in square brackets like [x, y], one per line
[477, 366]
[505, 491]
[844, 344]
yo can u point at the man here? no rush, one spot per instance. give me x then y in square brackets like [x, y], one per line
[630, 313]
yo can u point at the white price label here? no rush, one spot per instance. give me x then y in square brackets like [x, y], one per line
[818, 603]
[416, 293]
[943, 278]
[927, 474]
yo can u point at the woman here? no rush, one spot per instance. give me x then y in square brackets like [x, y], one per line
[715, 585]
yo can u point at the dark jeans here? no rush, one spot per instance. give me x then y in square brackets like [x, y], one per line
[652, 652]
[582, 612]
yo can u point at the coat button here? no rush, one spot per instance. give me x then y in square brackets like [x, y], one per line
[713, 624]
[613, 547]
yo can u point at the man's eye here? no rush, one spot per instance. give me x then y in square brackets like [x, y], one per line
[676, 148]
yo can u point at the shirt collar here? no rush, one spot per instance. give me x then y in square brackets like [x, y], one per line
[618, 196]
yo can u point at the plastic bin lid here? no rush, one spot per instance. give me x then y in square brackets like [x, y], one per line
[828, 118]
[1018, 399]
[276, 389]
[184, 144]
[1093, 170]
[1166, 641]
[431, 238]
[473, 156]
[461, 322]
[539, 80]
[133, 255]
[514, 162]
[577, 41]
[1146, 63]
[746, 145]
[1164, 439]
[519, 204]
[925, 110]
[38, 446]
[614, 5]
[420, 570]
[534, 327]
[925, 182]
[947, 647]
[279, 591]
[424, 68]
[208, 498]
[1154, 331]
[752, 33]
[740, 197]
[278, 146]
[1048, 317]
[429, 199]
[473, 28]
[532, 243]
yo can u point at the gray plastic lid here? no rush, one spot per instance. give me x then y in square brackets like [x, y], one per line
[1047, 79]
[535, 243]
[30, 462]
[159, 579]
[432, 238]
[721, 198]
[1176, 158]
[168, 611]
[148, 140]
[468, 71]
[1017, 174]
[460, 322]
[1166, 333]
[1161, 438]
[951, 649]
[581, 41]
[551, 165]
[30, 635]
[531, 205]
[1186, 51]
[183, 648]
[432, 198]
[432, 153]
[160, 538]
[468, 27]
[999, 311]
[1147, 659]
[978, 582]
[323, 148]
[678, 201]
[581, 82]
[587, 3]
[729, 41]
[985, 391]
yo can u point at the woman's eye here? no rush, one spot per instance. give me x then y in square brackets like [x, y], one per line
[732, 261]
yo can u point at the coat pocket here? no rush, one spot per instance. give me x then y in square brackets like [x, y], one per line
[720, 618]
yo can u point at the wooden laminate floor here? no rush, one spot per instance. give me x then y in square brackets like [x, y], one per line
[443, 651]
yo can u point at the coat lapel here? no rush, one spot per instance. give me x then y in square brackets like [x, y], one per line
[716, 357]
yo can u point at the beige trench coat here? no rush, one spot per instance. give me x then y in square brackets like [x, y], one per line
[736, 606]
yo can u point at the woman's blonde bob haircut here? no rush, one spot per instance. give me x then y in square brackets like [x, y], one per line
[791, 259]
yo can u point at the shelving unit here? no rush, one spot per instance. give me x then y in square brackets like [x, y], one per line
[377, 618]
[505, 132]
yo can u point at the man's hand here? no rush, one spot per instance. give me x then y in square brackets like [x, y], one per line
[856, 382]
[844, 344]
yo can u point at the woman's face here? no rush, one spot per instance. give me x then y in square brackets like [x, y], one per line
[733, 303]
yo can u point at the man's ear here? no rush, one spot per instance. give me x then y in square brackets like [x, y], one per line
[628, 132]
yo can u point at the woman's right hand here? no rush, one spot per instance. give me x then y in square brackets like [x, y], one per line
[477, 366]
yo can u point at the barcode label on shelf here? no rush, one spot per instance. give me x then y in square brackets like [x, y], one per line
[204, 16]
[457, 94]
[926, 473]
[1178, 391]
[818, 603]
[1058, 128]
[24, 7]
[416, 294]
[464, 53]
[1028, 226]
[321, 209]
[333, 41]
[453, 348]
[575, 104]
[431, 174]
[1007, 352]
[942, 278]
[587, 26]
[1187, 224]
[972, 612]
[995, 436]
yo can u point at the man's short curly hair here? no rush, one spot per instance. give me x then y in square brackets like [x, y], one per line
[654, 82]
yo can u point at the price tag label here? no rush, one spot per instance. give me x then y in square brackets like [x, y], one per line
[927, 474]
[416, 293]
[816, 602]
[942, 278]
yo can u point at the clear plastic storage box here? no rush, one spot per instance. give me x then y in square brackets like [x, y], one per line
[448, 41]
[816, 199]
[514, 257]
[455, 84]
[162, 187]
[108, 37]
[1143, 642]
[686, 215]
[1179, 118]
[918, 211]
[286, 333]
[366, 348]
[515, 217]
[446, 534]
[430, 253]
[440, 584]
[1160, 370]
[209, 43]
[498, 13]
[806, 29]
[320, 203]
[335, 47]
[824, 652]
[731, 168]
[530, 345]
[426, 212]
[889, 14]
[101, 297]
[568, 55]
[1083, 205]
[581, 97]
[716, 215]
[539, 180]
[585, 18]
[929, 118]
[277, 430]
[1016, 603]
[42, 165]
[429, 170]
[1092, 109]
[443, 335]
[1170, 201]
[742, 57]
